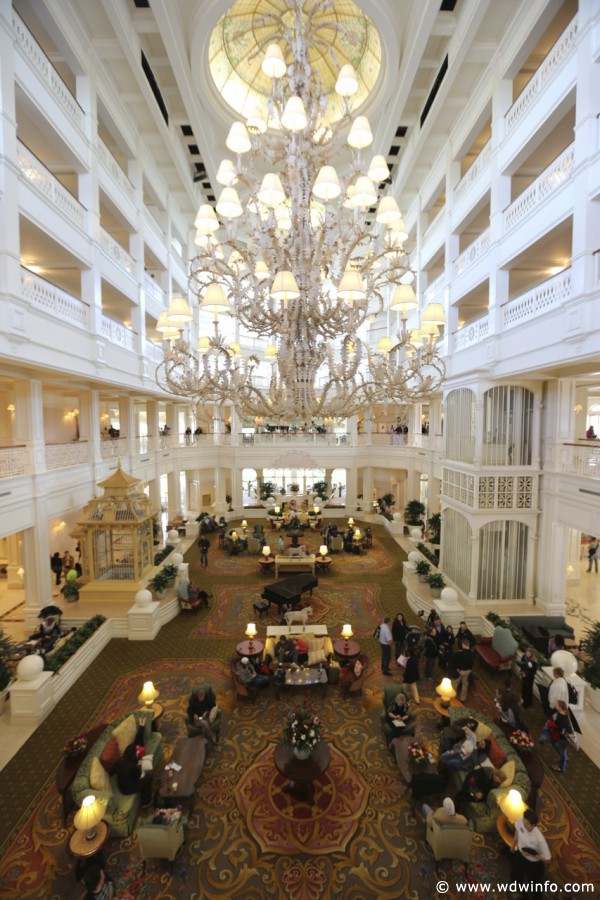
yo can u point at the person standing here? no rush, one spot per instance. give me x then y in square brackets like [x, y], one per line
[593, 553]
[430, 651]
[556, 730]
[399, 632]
[463, 660]
[559, 689]
[386, 640]
[411, 672]
[528, 668]
[530, 849]
[204, 546]
[56, 566]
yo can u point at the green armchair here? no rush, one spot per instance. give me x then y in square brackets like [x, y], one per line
[193, 729]
[450, 841]
[160, 841]
[389, 692]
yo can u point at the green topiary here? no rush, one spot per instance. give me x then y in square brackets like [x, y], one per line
[591, 646]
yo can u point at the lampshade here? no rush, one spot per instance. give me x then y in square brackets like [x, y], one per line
[347, 632]
[234, 536]
[317, 510]
[206, 221]
[244, 523]
[276, 510]
[271, 191]
[270, 352]
[148, 694]
[349, 199]
[347, 82]
[266, 551]
[256, 123]
[388, 211]
[261, 270]
[403, 299]
[512, 805]
[294, 115]
[317, 214]
[238, 139]
[215, 299]
[364, 194]
[228, 204]
[446, 691]
[179, 312]
[273, 63]
[385, 345]
[323, 550]
[285, 287]
[378, 169]
[88, 816]
[226, 174]
[251, 630]
[429, 329]
[166, 328]
[434, 313]
[351, 286]
[327, 184]
[203, 344]
[350, 522]
[357, 535]
[360, 134]
[416, 338]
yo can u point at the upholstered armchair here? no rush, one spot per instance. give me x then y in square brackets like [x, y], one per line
[254, 544]
[215, 726]
[243, 691]
[337, 543]
[450, 841]
[388, 694]
[160, 841]
[350, 682]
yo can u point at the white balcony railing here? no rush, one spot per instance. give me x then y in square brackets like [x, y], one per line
[153, 226]
[471, 334]
[434, 290]
[537, 301]
[52, 300]
[48, 74]
[116, 252]
[117, 333]
[44, 182]
[12, 461]
[544, 74]
[474, 171]
[278, 439]
[582, 459]
[112, 448]
[60, 456]
[115, 170]
[474, 252]
[549, 181]
[152, 289]
[153, 352]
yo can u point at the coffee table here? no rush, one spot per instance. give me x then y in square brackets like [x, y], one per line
[68, 769]
[175, 787]
[301, 678]
[422, 778]
[301, 772]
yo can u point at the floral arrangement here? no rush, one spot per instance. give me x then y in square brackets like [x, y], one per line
[303, 729]
[295, 488]
[419, 752]
[521, 740]
[76, 746]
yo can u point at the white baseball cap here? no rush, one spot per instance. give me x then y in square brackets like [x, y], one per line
[244, 660]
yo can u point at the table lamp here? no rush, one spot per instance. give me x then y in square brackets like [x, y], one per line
[276, 510]
[148, 695]
[244, 524]
[350, 522]
[251, 633]
[88, 816]
[266, 551]
[512, 805]
[446, 691]
[317, 510]
[347, 634]
[234, 536]
[323, 550]
[357, 534]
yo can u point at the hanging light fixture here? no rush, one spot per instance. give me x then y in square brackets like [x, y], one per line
[302, 263]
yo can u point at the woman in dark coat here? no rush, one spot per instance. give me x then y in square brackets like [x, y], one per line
[399, 632]
[128, 770]
[528, 667]
[411, 672]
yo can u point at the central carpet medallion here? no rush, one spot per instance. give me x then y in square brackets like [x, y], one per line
[281, 824]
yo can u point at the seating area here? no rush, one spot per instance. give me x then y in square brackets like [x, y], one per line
[497, 651]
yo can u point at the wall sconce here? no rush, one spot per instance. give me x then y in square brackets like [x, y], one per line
[578, 408]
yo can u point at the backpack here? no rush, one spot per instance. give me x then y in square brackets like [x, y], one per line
[573, 695]
[377, 632]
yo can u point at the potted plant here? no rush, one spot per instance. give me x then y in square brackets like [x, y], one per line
[423, 569]
[414, 512]
[320, 489]
[303, 730]
[159, 584]
[156, 532]
[436, 584]
[7, 649]
[228, 499]
[434, 526]
[294, 488]
[70, 591]
[591, 666]
[267, 489]
[389, 500]
[170, 573]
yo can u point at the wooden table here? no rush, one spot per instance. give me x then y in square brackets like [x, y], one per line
[243, 649]
[79, 845]
[505, 829]
[68, 769]
[266, 563]
[190, 754]
[322, 563]
[301, 772]
[443, 710]
[339, 648]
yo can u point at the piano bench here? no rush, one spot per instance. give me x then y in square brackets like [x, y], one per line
[260, 608]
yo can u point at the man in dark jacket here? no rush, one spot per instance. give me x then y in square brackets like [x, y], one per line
[463, 660]
[430, 652]
[465, 633]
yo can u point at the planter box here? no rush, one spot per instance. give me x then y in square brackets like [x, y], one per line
[77, 664]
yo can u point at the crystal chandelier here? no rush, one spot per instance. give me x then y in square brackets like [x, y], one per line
[306, 260]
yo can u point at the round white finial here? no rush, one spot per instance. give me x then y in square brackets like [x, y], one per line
[173, 537]
[449, 594]
[29, 668]
[414, 556]
[562, 659]
[416, 534]
[397, 517]
[176, 559]
[143, 598]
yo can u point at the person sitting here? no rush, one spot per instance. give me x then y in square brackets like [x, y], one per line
[198, 710]
[445, 815]
[48, 633]
[398, 714]
[247, 674]
[285, 650]
[130, 778]
[591, 434]
[478, 784]
[509, 704]
[457, 756]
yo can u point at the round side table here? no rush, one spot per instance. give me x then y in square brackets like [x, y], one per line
[243, 649]
[339, 648]
[83, 848]
[301, 772]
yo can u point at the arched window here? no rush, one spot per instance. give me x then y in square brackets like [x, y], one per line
[456, 548]
[460, 425]
[502, 561]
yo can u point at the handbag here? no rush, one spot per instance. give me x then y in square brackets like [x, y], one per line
[402, 660]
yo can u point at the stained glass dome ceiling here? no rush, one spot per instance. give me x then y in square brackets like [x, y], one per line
[235, 65]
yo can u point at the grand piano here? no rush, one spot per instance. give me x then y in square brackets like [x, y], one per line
[288, 591]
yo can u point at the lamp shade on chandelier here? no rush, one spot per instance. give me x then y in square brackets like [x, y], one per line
[303, 252]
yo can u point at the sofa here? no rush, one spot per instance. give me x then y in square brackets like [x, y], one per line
[484, 814]
[295, 563]
[539, 629]
[497, 651]
[121, 809]
[320, 648]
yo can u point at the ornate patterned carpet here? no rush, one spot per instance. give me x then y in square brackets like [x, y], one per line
[245, 837]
